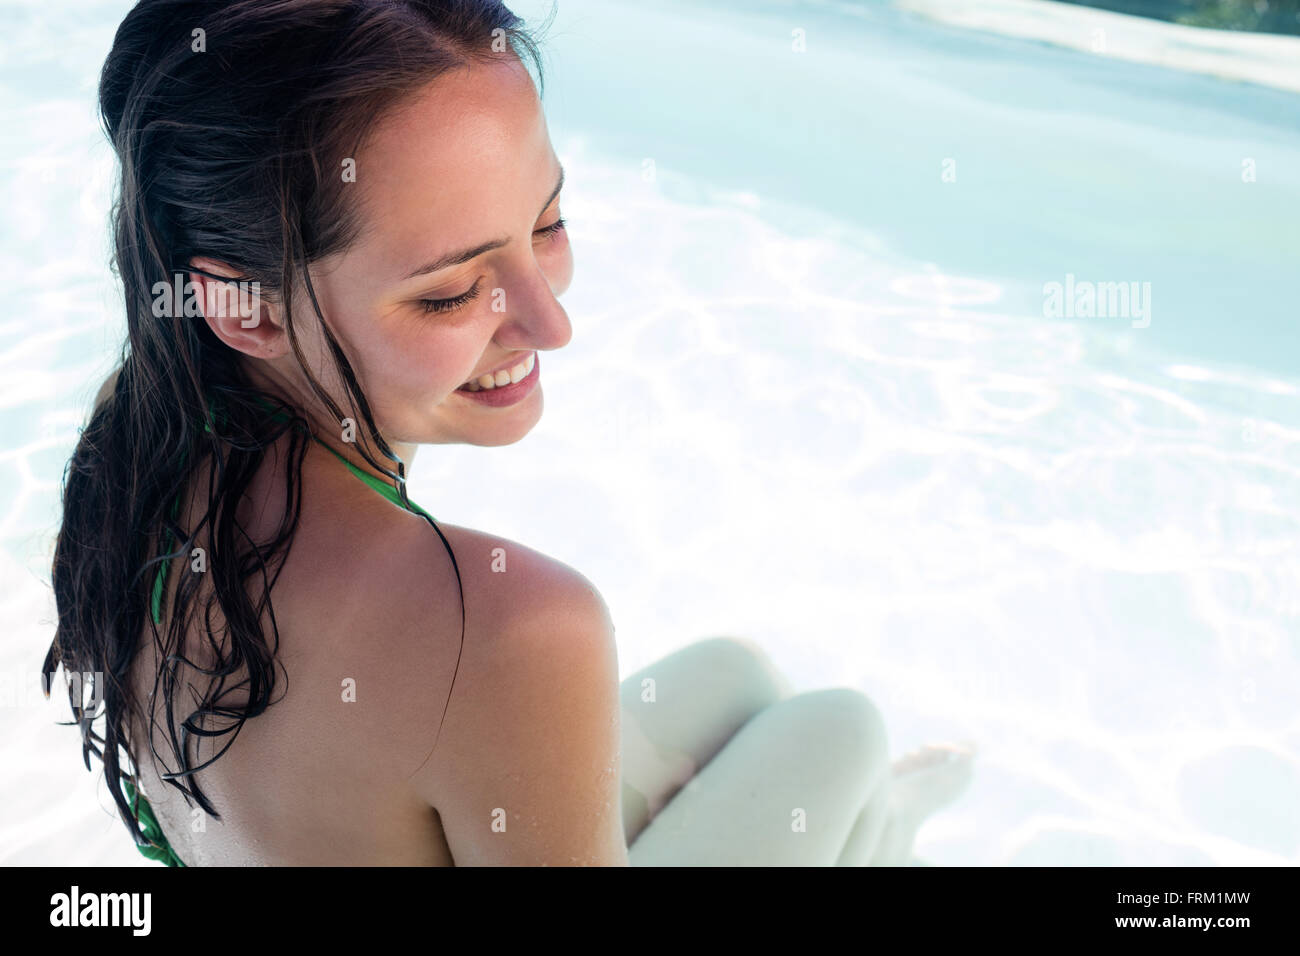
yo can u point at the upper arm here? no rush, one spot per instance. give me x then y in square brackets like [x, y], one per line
[105, 390]
[526, 769]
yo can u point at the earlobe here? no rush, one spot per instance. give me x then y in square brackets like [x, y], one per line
[236, 312]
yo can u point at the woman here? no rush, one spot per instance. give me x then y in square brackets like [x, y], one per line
[338, 230]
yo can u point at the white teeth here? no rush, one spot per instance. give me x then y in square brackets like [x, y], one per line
[504, 377]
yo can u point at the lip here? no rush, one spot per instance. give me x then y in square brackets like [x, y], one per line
[505, 394]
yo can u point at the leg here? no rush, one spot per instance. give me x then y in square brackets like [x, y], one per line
[923, 781]
[864, 845]
[678, 712]
[788, 790]
[717, 686]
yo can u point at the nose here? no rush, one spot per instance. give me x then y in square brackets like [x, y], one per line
[531, 315]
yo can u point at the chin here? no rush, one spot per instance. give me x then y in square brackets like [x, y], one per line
[497, 440]
[503, 426]
[504, 432]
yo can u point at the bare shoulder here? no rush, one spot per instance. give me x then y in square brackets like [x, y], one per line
[504, 720]
[106, 389]
[526, 766]
[508, 588]
[361, 562]
[515, 581]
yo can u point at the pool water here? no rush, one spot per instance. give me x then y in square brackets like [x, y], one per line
[815, 396]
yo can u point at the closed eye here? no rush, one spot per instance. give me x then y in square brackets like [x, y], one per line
[454, 303]
[450, 305]
[552, 229]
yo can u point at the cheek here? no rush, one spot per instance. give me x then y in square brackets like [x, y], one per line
[559, 270]
[400, 365]
[425, 364]
[405, 385]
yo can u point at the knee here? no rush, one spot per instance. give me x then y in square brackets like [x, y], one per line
[843, 721]
[743, 661]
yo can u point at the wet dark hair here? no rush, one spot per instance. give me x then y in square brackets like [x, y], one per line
[231, 122]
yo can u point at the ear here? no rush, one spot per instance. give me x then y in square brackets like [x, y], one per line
[236, 312]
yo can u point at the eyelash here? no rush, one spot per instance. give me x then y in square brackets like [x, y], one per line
[450, 305]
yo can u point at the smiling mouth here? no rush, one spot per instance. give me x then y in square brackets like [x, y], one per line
[489, 381]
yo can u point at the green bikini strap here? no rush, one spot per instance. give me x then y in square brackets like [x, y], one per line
[381, 486]
[159, 849]
[385, 489]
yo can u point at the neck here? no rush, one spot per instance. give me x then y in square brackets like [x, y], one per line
[351, 452]
[330, 433]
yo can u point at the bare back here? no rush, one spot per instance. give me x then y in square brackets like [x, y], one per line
[369, 622]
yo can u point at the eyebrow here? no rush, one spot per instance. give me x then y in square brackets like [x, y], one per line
[465, 255]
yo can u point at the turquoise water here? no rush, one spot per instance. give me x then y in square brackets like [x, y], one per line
[1064, 162]
[813, 397]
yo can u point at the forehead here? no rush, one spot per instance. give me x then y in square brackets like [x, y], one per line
[455, 158]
